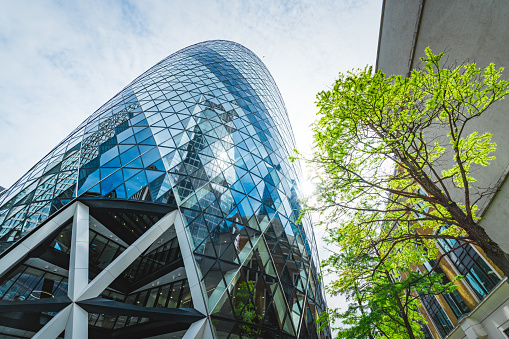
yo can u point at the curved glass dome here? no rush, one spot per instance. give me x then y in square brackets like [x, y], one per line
[205, 132]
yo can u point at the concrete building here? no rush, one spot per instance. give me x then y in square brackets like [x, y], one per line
[467, 31]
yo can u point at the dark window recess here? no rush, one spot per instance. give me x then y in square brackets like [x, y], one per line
[479, 275]
[62, 242]
[454, 299]
[153, 261]
[437, 314]
[173, 295]
[29, 283]
[103, 250]
[426, 332]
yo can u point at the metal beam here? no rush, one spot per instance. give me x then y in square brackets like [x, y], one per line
[115, 268]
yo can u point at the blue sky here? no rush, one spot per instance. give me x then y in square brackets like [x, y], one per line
[61, 60]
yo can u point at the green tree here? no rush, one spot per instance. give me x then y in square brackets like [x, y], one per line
[246, 311]
[383, 294]
[395, 150]
[394, 162]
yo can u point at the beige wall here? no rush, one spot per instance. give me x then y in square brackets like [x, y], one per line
[467, 30]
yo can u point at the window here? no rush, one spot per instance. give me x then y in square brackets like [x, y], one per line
[426, 332]
[470, 264]
[437, 314]
[454, 299]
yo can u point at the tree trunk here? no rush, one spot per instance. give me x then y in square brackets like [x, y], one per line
[408, 326]
[362, 309]
[481, 239]
[403, 312]
[474, 231]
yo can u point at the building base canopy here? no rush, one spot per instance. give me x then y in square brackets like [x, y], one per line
[98, 268]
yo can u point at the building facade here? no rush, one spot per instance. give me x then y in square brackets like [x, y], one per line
[466, 31]
[169, 213]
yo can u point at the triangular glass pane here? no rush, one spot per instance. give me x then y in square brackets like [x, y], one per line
[114, 163]
[213, 279]
[205, 246]
[229, 272]
[223, 328]
[270, 270]
[288, 326]
[269, 233]
[136, 163]
[279, 303]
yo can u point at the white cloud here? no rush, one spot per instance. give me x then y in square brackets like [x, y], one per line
[61, 60]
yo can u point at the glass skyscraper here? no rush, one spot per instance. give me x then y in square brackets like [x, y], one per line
[169, 213]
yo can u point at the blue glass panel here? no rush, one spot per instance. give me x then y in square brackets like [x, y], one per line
[108, 184]
[129, 155]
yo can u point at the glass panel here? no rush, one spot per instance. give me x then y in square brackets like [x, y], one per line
[437, 314]
[470, 264]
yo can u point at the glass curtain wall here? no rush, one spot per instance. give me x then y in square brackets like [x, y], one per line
[205, 131]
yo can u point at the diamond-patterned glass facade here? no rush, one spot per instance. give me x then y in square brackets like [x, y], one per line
[205, 131]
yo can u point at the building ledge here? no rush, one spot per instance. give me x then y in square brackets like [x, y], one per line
[487, 307]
